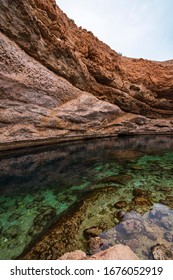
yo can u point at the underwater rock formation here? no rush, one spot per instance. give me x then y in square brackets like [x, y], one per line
[59, 82]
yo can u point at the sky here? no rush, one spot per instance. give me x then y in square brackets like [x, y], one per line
[135, 28]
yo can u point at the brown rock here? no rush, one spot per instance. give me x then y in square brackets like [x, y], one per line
[92, 232]
[59, 82]
[117, 179]
[120, 204]
[161, 252]
[140, 192]
[142, 201]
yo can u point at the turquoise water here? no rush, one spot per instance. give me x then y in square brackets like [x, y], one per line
[38, 186]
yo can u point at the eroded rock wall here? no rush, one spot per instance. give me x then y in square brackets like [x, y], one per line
[59, 81]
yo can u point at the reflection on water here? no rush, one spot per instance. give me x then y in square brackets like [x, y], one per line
[99, 193]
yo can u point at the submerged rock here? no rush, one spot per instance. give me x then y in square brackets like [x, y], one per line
[13, 217]
[95, 244]
[151, 235]
[120, 204]
[43, 220]
[132, 226]
[12, 232]
[117, 179]
[142, 201]
[1, 228]
[120, 214]
[140, 192]
[92, 232]
[168, 236]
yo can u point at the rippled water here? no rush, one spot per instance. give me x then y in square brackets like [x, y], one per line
[91, 194]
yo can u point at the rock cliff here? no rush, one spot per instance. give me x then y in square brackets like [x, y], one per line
[59, 82]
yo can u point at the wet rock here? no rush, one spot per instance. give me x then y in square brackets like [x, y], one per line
[137, 167]
[43, 220]
[38, 198]
[35, 230]
[132, 226]
[169, 198]
[168, 236]
[120, 214]
[92, 232]
[142, 201]
[132, 243]
[1, 228]
[166, 224]
[118, 179]
[13, 217]
[127, 155]
[151, 235]
[164, 201]
[13, 243]
[95, 244]
[140, 192]
[120, 204]
[163, 189]
[161, 252]
[12, 232]
[145, 253]
[154, 214]
[46, 215]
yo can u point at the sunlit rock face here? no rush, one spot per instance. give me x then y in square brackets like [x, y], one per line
[59, 82]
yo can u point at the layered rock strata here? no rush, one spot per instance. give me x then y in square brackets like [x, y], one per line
[59, 82]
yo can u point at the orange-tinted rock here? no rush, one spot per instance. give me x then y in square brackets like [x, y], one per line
[140, 192]
[120, 204]
[142, 201]
[102, 93]
[116, 252]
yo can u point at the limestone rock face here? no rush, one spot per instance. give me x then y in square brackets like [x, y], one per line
[59, 82]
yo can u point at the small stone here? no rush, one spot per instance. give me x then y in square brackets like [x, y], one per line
[118, 179]
[12, 231]
[151, 235]
[92, 232]
[13, 217]
[137, 167]
[166, 224]
[132, 226]
[142, 201]
[168, 236]
[116, 221]
[95, 244]
[145, 253]
[120, 204]
[120, 214]
[140, 192]
[154, 214]
[169, 198]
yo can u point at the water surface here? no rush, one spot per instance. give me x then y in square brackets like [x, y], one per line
[116, 190]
